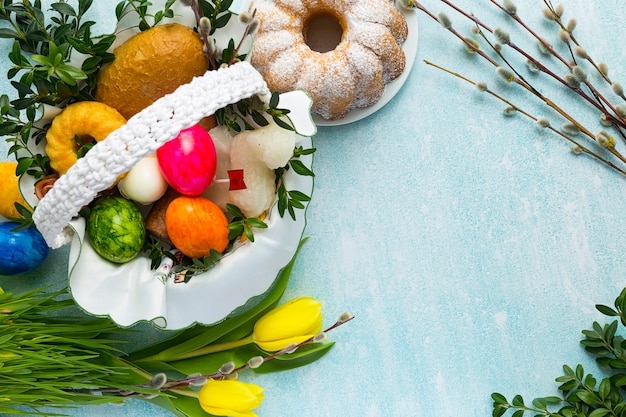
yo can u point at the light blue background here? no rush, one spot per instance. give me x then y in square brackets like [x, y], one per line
[470, 246]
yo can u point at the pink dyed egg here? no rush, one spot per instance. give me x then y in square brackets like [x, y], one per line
[188, 162]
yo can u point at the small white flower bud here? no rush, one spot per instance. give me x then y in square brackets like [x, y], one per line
[204, 25]
[576, 149]
[245, 17]
[227, 368]
[509, 111]
[559, 10]
[579, 73]
[505, 73]
[344, 317]
[564, 36]
[617, 88]
[603, 68]
[510, 7]
[502, 36]
[604, 121]
[571, 25]
[158, 381]
[482, 86]
[621, 110]
[547, 13]
[320, 337]
[604, 139]
[255, 361]
[544, 47]
[571, 81]
[471, 44]
[197, 379]
[253, 27]
[543, 123]
[570, 128]
[581, 52]
[444, 20]
[532, 66]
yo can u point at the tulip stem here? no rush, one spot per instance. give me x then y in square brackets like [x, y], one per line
[220, 347]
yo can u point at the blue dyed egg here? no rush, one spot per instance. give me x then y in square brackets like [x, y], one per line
[20, 251]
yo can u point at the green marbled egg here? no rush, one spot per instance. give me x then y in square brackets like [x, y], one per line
[116, 229]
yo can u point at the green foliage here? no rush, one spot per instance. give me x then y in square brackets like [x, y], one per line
[52, 359]
[141, 8]
[581, 394]
[290, 200]
[42, 72]
[250, 113]
[240, 224]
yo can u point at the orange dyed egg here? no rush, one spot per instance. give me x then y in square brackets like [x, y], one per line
[196, 225]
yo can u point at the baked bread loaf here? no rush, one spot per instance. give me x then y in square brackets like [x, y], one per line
[294, 50]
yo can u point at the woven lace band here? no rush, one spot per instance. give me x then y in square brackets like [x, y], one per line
[142, 135]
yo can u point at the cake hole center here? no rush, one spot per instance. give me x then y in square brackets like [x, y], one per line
[322, 32]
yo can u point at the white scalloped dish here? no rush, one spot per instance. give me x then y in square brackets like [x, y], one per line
[132, 292]
[129, 293]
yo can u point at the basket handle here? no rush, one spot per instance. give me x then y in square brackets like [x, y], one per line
[142, 135]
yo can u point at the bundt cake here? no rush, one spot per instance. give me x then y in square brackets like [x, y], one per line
[342, 52]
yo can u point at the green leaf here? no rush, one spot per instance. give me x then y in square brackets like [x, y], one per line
[607, 311]
[588, 398]
[599, 412]
[518, 413]
[299, 167]
[8, 33]
[498, 398]
[518, 401]
[23, 164]
[604, 389]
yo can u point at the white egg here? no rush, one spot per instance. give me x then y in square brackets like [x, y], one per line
[144, 183]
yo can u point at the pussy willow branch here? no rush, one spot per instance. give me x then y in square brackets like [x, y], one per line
[517, 80]
[178, 386]
[530, 116]
[522, 82]
[615, 118]
[558, 20]
[601, 98]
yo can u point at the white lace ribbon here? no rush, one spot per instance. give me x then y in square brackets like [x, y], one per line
[142, 135]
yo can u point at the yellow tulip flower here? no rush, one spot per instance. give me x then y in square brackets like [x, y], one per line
[293, 322]
[230, 398]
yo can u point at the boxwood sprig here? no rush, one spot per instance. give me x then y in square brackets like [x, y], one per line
[240, 224]
[582, 393]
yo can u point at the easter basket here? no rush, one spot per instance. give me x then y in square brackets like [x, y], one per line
[135, 291]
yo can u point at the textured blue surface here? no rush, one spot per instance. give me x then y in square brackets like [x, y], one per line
[470, 246]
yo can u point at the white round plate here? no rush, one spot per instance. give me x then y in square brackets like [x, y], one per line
[410, 51]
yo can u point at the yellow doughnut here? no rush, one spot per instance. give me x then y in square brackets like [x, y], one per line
[89, 120]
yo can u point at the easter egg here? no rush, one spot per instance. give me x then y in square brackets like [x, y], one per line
[196, 225]
[116, 229]
[144, 183]
[22, 251]
[9, 190]
[188, 162]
